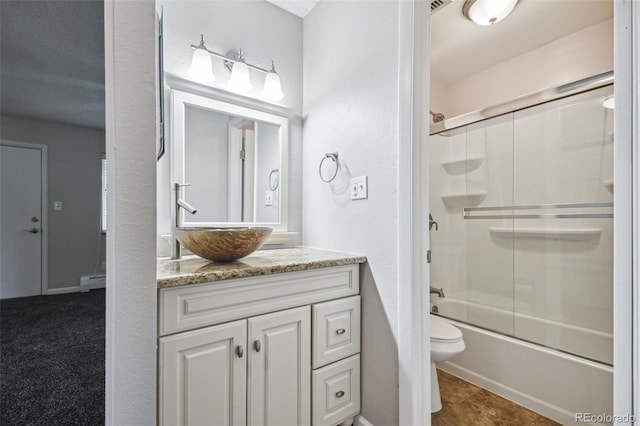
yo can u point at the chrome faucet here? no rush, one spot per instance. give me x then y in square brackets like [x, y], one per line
[175, 212]
[438, 291]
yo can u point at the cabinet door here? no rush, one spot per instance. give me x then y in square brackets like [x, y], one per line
[280, 368]
[203, 376]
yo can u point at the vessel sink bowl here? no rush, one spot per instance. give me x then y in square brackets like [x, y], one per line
[223, 244]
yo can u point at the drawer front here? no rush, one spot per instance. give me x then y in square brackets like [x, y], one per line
[336, 392]
[198, 305]
[336, 330]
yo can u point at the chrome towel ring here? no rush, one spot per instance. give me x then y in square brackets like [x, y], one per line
[334, 157]
[273, 184]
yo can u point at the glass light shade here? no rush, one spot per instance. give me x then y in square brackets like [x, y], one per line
[488, 12]
[272, 88]
[239, 81]
[201, 66]
[609, 102]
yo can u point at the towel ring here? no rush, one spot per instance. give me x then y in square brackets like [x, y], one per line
[274, 185]
[334, 157]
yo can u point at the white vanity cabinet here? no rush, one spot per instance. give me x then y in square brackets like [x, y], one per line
[279, 349]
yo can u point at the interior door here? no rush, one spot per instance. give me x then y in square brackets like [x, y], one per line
[20, 221]
[280, 368]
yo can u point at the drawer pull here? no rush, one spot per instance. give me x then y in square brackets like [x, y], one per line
[340, 331]
[239, 351]
[339, 394]
[257, 345]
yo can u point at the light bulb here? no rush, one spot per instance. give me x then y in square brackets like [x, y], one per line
[239, 81]
[201, 66]
[488, 12]
[272, 89]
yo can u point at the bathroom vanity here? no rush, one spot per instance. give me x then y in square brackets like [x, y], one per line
[271, 339]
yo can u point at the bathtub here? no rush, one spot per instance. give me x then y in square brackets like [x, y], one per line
[553, 383]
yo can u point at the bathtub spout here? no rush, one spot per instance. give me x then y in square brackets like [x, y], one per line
[438, 291]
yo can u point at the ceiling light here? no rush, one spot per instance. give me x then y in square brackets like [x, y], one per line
[240, 80]
[609, 102]
[272, 88]
[488, 12]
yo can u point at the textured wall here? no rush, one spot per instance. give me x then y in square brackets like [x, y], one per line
[76, 245]
[351, 106]
[131, 262]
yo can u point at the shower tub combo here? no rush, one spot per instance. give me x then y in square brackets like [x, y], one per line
[524, 251]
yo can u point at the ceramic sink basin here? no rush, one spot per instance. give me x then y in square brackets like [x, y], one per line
[223, 244]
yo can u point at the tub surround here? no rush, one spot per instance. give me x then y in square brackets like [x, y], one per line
[195, 270]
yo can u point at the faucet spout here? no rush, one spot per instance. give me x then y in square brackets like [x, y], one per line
[438, 291]
[188, 207]
[175, 213]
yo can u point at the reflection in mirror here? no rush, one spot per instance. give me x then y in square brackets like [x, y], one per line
[232, 158]
[228, 162]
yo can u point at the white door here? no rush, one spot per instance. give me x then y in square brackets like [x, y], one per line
[203, 377]
[280, 368]
[20, 221]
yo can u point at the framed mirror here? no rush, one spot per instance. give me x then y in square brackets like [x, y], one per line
[233, 159]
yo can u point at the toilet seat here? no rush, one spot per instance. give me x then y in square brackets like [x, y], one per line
[442, 331]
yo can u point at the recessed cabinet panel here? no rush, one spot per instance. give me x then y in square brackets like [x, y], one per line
[336, 392]
[336, 330]
[203, 376]
[280, 368]
[187, 307]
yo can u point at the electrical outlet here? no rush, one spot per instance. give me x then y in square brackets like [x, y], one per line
[268, 198]
[57, 206]
[359, 188]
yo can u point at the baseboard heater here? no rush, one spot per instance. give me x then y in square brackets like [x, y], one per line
[90, 282]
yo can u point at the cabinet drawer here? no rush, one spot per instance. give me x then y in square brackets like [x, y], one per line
[336, 330]
[198, 305]
[336, 392]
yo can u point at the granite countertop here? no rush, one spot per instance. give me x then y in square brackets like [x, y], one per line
[194, 269]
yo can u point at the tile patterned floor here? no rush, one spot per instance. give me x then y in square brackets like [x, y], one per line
[467, 404]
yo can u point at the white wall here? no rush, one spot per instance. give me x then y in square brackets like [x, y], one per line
[205, 159]
[579, 55]
[130, 97]
[351, 106]
[76, 244]
[267, 159]
[264, 32]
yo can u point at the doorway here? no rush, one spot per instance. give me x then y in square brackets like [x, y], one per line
[23, 238]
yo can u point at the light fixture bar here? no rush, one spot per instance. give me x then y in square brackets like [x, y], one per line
[227, 59]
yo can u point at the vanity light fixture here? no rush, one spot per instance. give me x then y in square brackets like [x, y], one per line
[488, 12]
[240, 80]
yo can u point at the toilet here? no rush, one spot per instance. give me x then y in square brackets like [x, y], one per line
[446, 342]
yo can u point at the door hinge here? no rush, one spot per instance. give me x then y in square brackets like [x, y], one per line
[242, 155]
[428, 256]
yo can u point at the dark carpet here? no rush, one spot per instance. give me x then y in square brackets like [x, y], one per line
[52, 360]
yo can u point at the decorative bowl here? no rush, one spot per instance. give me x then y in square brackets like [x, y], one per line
[223, 244]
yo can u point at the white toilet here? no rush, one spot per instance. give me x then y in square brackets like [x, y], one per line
[446, 342]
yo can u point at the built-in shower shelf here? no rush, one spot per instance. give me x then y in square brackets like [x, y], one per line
[608, 184]
[464, 198]
[462, 165]
[575, 234]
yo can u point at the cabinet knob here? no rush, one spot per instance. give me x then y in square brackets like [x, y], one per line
[257, 345]
[239, 351]
[340, 394]
[340, 331]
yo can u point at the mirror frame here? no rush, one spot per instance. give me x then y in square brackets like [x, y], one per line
[185, 93]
